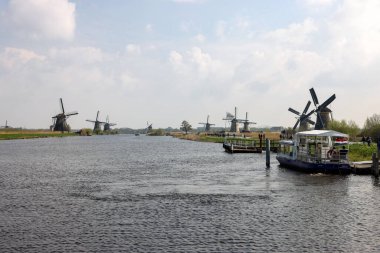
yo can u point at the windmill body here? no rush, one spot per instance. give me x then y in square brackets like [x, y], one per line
[107, 124]
[6, 125]
[246, 123]
[97, 123]
[234, 121]
[207, 124]
[60, 123]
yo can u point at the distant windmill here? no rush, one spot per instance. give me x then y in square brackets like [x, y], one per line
[303, 118]
[207, 124]
[97, 123]
[59, 120]
[149, 127]
[234, 121]
[246, 123]
[107, 124]
[323, 113]
[6, 125]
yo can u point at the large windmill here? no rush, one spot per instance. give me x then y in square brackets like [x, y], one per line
[234, 121]
[323, 113]
[97, 123]
[207, 124]
[246, 123]
[107, 124]
[60, 123]
[303, 118]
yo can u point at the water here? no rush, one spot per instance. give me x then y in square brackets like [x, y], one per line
[160, 194]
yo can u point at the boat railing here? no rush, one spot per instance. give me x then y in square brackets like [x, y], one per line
[340, 156]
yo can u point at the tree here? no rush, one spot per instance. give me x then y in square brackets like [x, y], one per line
[372, 126]
[350, 127]
[185, 126]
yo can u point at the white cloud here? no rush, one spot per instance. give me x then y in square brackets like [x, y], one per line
[200, 38]
[42, 19]
[296, 33]
[149, 28]
[77, 55]
[133, 49]
[10, 58]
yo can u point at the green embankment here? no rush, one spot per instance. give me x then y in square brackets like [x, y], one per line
[361, 152]
[25, 134]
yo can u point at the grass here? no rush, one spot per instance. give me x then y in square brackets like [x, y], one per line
[10, 134]
[361, 152]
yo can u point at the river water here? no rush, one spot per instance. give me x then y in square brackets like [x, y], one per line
[159, 194]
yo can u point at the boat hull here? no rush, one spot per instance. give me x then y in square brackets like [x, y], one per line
[328, 168]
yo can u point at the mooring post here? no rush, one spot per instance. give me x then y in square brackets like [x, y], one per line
[267, 151]
[375, 165]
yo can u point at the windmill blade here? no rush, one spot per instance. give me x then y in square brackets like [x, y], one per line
[202, 123]
[112, 124]
[97, 115]
[91, 121]
[320, 119]
[327, 102]
[295, 126]
[71, 113]
[310, 121]
[310, 113]
[314, 96]
[294, 111]
[211, 124]
[208, 116]
[63, 109]
[306, 107]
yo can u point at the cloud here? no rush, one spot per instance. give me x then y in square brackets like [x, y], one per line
[133, 49]
[11, 58]
[42, 19]
[200, 38]
[319, 3]
[149, 28]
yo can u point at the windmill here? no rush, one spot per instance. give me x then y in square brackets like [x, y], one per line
[149, 127]
[246, 123]
[59, 120]
[107, 124]
[303, 118]
[97, 123]
[207, 124]
[6, 125]
[234, 121]
[323, 113]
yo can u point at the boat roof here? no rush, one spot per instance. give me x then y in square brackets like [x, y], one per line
[322, 133]
[287, 142]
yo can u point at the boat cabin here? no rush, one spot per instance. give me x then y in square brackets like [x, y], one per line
[316, 146]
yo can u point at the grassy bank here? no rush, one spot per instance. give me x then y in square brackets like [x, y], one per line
[10, 134]
[361, 152]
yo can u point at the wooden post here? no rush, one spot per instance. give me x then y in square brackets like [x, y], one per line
[267, 152]
[375, 165]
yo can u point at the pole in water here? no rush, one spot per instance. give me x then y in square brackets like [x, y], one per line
[375, 164]
[267, 151]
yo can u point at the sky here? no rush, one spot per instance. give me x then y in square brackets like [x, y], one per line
[165, 61]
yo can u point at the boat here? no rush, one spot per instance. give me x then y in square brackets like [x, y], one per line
[316, 151]
[242, 145]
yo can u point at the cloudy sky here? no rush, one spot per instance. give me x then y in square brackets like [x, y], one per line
[165, 61]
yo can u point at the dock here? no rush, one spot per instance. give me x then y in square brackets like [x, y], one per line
[246, 146]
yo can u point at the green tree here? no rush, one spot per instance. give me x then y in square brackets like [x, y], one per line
[350, 127]
[185, 126]
[372, 126]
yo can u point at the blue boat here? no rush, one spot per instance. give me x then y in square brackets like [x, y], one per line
[316, 151]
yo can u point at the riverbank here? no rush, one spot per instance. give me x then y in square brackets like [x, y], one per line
[14, 134]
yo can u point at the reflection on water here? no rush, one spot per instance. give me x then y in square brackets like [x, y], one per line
[159, 194]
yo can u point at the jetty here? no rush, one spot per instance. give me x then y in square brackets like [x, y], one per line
[247, 146]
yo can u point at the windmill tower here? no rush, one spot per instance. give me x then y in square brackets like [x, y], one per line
[303, 118]
[323, 113]
[246, 123]
[107, 124]
[207, 124]
[234, 121]
[97, 123]
[59, 120]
